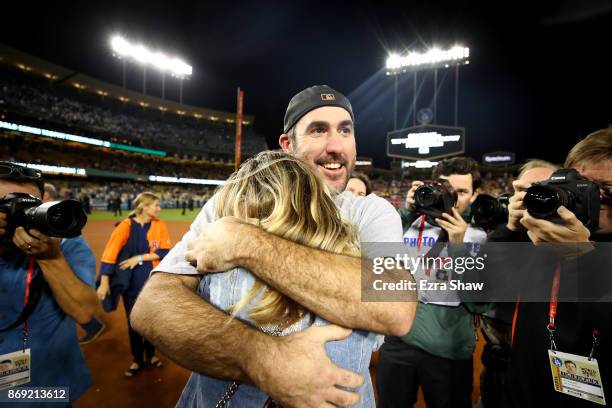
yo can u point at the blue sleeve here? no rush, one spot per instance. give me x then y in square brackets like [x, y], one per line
[107, 269]
[81, 259]
[162, 253]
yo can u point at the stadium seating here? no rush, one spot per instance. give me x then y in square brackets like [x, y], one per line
[36, 97]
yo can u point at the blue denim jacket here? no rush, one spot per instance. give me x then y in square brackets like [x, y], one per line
[226, 289]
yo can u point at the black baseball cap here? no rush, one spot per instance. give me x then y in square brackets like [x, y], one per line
[313, 98]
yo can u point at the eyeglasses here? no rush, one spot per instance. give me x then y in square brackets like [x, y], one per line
[16, 172]
[8, 170]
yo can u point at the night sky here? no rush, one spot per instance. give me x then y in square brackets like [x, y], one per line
[539, 76]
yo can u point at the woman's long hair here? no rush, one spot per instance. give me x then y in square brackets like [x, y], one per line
[281, 195]
[141, 201]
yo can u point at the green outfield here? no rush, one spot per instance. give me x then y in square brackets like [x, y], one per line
[166, 215]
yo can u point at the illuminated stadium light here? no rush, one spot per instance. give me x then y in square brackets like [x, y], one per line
[75, 138]
[197, 116]
[180, 112]
[163, 109]
[143, 104]
[124, 99]
[420, 164]
[213, 118]
[24, 67]
[434, 56]
[102, 93]
[68, 171]
[139, 53]
[425, 140]
[183, 180]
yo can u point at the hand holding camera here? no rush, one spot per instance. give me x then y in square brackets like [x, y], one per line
[410, 196]
[36, 244]
[454, 225]
[516, 207]
[562, 210]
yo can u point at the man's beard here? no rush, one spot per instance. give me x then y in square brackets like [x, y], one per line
[314, 167]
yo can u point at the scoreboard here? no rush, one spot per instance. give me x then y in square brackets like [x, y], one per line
[426, 142]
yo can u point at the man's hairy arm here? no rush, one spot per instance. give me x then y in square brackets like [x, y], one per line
[294, 370]
[326, 283]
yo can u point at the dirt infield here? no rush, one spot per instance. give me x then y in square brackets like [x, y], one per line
[109, 355]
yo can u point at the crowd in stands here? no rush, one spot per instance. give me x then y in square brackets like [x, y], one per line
[70, 155]
[84, 111]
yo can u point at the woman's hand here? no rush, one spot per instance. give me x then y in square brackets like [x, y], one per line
[129, 263]
[103, 290]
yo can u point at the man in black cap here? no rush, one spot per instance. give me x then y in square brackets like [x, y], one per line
[294, 370]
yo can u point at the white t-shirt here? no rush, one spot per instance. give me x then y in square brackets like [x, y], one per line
[375, 218]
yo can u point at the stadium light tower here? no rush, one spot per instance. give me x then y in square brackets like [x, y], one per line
[435, 59]
[160, 61]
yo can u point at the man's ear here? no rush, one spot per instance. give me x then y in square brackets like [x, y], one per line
[474, 197]
[285, 143]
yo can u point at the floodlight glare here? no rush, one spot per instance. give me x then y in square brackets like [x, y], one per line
[434, 56]
[141, 54]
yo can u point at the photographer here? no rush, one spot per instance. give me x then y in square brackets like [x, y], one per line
[95, 327]
[60, 275]
[496, 323]
[437, 353]
[574, 327]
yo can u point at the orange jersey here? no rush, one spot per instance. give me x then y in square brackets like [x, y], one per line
[158, 240]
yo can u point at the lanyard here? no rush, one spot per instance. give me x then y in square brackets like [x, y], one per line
[26, 297]
[420, 236]
[552, 313]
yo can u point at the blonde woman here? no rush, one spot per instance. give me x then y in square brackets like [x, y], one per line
[281, 195]
[135, 247]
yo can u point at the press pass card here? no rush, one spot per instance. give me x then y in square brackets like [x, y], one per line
[576, 376]
[14, 369]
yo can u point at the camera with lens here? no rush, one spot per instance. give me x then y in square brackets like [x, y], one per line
[63, 219]
[565, 187]
[489, 211]
[435, 197]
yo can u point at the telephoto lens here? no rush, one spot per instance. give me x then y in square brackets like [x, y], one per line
[543, 201]
[63, 219]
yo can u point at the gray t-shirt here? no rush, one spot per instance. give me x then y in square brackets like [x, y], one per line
[374, 217]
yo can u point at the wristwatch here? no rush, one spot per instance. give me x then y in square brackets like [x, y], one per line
[139, 259]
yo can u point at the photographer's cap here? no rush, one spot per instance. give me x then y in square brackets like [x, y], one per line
[312, 98]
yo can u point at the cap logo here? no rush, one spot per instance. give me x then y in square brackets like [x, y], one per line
[328, 97]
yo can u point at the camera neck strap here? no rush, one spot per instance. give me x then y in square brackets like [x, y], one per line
[552, 313]
[33, 292]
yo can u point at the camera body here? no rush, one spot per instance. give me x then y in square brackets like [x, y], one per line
[63, 219]
[435, 197]
[565, 187]
[489, 211]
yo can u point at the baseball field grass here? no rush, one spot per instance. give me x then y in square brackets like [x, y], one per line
[166, 215]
